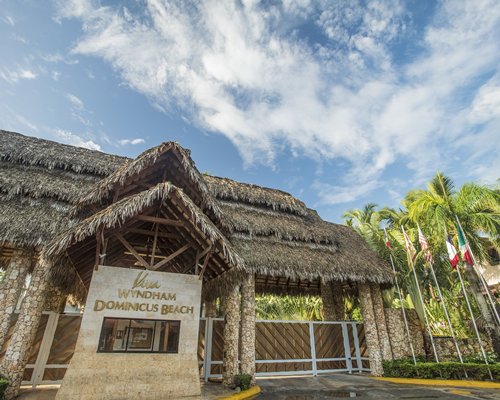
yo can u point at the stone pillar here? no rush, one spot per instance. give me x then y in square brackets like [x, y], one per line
[371, 333]
[332, 296]
[231, 335]
[18, 351]
[210, 309]
[12, 287]
[380, 320]
[248, 327]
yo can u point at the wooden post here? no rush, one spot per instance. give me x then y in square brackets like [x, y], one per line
[248, 327]
[12, 287]
[231, 335]
[371, 333]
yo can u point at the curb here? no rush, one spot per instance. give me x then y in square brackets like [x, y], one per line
[442, 382]
[245, 394]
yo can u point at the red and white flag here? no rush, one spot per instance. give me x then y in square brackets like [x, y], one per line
[452, 252]
[410, 249]
[425, 247]
[387, 242]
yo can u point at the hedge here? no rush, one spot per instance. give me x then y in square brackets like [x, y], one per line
[4, 383]
[444, 370]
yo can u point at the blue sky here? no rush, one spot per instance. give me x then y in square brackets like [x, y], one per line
[338, 102]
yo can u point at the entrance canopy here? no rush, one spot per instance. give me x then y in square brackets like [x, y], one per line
[157, 229]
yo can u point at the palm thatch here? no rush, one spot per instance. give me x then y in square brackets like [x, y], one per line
[31, 222]
[277, 200]
[118, 213]
[39, 182]
[274, 233]
[17, 148]
[159, 160]
[282, 237]
[258, 221]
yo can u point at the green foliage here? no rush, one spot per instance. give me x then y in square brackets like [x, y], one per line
[4, 384]
[303, 308]
[243, 381]
[445, 370]
[434, 209]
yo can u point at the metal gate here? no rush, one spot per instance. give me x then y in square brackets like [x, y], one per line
[290, 347]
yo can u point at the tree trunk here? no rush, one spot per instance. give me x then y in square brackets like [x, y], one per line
[380, 320]
[248, 327]
[18, 351]
[371, 333]
[12, 287]
[231, 335]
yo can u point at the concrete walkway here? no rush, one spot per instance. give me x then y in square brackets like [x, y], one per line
[360, 386]
[209, 391]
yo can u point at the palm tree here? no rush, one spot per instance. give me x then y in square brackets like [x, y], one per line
[478, 209]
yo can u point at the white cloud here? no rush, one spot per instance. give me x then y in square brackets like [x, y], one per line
[333, 194]
[8, 20]
[75, 140]
[75, 101]
[124, 142]
[244, 71]
[17, 75]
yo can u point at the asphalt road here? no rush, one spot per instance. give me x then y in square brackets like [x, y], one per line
[360, 386]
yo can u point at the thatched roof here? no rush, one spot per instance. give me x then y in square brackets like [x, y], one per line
[282, 237]
[31, 222]
[39, 180]
[17, 148]
[166, 162]
[277, 200]
[274, 233]
[76, 246]
[118, 213]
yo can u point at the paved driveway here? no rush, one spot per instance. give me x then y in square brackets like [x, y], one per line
[360, 386]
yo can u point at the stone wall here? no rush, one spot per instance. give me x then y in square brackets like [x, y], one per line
[106, 376]
[447, 351]
[398, 335]
[445, 346]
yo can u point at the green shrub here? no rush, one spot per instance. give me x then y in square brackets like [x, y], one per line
[446, 370]
[243, 381]
[4, 383]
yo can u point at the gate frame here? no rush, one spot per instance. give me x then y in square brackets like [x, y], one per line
[207, 362]
[44, 351]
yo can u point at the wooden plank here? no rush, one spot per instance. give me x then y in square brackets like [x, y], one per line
[132, 250]
[171, 257]
[97, 249]
[207, 258]
[145, 232]
[159, 220]
[153, 251]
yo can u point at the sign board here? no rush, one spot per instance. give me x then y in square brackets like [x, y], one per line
[138, 338]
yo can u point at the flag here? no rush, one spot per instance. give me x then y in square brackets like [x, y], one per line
[464, 246]
[387, 242]
[410, 250]
[425, 247]
[452, 252]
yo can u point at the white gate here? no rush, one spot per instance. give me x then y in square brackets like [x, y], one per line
[290, 347]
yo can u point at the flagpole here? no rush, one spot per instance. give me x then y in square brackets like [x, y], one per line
[402, 304]
[412, 267]
[473, 320]
[445, 308]
[480, 275]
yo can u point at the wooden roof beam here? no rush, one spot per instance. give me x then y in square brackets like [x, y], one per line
[170, 257]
